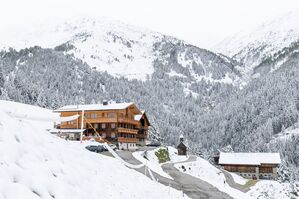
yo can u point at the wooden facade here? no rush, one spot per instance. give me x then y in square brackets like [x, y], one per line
[182, 149]
[112, 125]
[142, 129]
[251, 165]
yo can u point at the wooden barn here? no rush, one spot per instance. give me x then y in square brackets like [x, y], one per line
[251, 165]
[120, 123]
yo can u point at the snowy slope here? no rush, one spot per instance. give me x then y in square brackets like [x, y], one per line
[269, 189]
[263, 189]
[124, 50]
[252, 47]
[107, 45]
[35, 164]
[203, 170]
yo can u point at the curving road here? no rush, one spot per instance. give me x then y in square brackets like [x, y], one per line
[191, 186]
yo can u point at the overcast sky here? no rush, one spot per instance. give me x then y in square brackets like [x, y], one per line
[201, 22]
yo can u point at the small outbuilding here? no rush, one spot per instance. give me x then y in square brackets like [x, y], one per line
[182, 148]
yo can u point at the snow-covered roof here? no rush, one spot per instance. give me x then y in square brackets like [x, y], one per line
[109, 106]
[139, 116]
[249, 158]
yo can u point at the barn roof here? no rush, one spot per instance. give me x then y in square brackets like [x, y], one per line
[249, 158]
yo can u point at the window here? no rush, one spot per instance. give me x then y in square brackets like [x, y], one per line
[121, 115]
[103, 135]
[113, 126]
[96, 126]
[103, 126]
[93, 115]
[112, 135]
[86, 115]
[70, 122]
[111, 115]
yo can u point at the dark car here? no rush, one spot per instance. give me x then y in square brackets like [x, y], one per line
[96, 149]
[154, 143]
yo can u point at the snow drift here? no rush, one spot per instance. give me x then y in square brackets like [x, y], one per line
[36, 164]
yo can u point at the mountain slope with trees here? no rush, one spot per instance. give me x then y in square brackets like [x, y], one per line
[191, 91]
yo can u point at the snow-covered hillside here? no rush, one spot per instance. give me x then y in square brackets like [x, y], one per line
[107, 45]
[263, 189]
[35, 164]
[123, 50]
[264, 41]
[203, 170]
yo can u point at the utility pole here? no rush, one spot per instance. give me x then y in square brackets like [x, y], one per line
[82, 126]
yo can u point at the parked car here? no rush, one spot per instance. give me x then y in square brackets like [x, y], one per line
[96, 148]
[154, 143]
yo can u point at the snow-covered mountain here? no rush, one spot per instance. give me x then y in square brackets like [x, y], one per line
[267, 40]
[112, 46]
[123, 50]
[37, 165]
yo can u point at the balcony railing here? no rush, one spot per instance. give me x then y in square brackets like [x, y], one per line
[123, 139]
[101, 120]
[125, 130]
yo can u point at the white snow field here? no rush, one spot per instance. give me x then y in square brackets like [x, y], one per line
[203, 170]
[238, 179]
[35, 164]
[151, 162]
[104, 44]
[269, 189]
[263, 189]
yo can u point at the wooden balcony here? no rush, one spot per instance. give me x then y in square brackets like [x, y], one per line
[128, 121]
[125, 130]
[123, 139]
[101, 120]
[141, 136]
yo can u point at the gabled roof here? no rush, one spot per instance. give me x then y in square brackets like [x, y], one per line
[182, 145]
[94, 107]
[139, 116]
[249, 158]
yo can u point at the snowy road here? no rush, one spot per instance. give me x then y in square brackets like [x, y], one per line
[191, 186]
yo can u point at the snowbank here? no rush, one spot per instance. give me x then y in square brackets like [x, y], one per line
[36, 164]
[151, 162]
[203, 170]
[269, 189]
[238, 179]
[174, 157]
